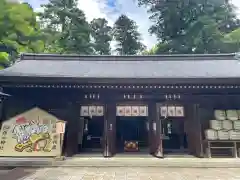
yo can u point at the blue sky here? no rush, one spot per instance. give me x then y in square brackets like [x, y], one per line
[111, 9]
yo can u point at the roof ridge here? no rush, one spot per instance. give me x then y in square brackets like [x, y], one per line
[162, 57]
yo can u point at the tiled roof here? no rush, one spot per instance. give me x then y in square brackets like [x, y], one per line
[164, 66]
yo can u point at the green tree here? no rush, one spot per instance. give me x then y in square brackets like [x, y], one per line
[159, 48]
[125, 33]
[64, 17]
[101, 34]
[191, 26]
[4, 60]
[232, 40]
[19, 29]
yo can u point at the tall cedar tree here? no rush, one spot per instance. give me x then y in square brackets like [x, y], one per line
[101, 34]
[66, 18]
[125, 33]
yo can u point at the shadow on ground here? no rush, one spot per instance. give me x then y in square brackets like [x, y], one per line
[16, 173]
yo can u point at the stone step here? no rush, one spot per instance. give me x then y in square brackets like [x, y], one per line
[25, 162]
[122, 162]
[150, 162]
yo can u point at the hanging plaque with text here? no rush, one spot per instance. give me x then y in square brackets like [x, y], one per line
[84, 111]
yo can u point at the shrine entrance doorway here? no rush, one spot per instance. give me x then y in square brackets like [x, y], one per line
[132, 129]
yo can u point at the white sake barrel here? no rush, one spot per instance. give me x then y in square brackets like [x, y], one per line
[223, 135]
[215, 124]
[232, 115]
[236, 125]
[220, 114]
[234, 135]
[211, 134]
[227, 125]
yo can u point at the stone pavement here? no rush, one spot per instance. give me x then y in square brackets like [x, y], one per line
[122, 162]
[124, 173]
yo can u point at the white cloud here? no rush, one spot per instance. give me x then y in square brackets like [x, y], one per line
[237, 4]
[99, 8]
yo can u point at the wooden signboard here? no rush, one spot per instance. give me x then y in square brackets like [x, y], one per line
[33, 133]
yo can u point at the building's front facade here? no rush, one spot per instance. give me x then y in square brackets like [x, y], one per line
[113, 104]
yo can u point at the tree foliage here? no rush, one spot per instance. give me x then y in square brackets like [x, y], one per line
[191, 26]
[125, 33]
[4, 60]
[19, 29]
[101, 34]
[67, 23]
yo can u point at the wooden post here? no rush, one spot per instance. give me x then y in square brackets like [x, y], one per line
[189, 130]
[198, 132]
[151, 135]
[157, 128]
[72, 130]
[109, 129]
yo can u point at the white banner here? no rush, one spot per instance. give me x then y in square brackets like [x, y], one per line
[120, 111]
[84, 111]
[135, 111]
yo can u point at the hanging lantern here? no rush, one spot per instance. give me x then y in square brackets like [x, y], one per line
[86, 126]
[169, 128]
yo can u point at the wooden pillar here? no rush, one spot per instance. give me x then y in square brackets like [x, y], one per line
[151, 134]
[71, 136]
[198, 131]
[189, 114]
[157, 129]
[109, 129]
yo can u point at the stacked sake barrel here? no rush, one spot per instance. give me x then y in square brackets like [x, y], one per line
[225, 126]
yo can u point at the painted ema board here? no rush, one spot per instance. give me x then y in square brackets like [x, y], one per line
[33, 133]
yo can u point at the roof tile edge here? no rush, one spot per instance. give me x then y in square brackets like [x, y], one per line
[163, 57]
